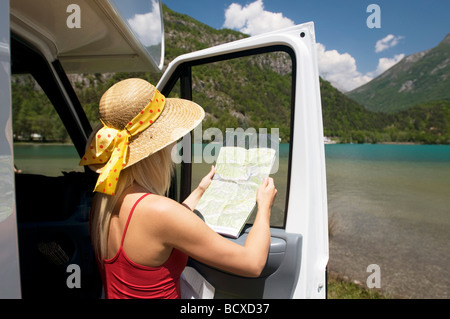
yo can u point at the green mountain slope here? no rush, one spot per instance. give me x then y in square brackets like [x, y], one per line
[343, 117]
[418, 78]
[184, 34]
[219, 87]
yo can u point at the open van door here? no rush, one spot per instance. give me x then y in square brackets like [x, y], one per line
[296, 265]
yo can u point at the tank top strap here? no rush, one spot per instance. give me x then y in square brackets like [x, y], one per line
[129, 217]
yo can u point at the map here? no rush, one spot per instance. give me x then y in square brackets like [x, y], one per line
[230, 199]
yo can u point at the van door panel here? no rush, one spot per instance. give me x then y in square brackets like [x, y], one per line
[275, 280]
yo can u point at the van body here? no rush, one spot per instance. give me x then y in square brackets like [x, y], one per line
[45, 250]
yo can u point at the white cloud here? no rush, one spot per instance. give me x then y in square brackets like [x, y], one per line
[341, 71]
[253, 19]
[387, 42]
[148, 32]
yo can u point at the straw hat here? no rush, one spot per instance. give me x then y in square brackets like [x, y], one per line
[126, 99]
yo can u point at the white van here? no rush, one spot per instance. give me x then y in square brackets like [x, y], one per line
[44, 220]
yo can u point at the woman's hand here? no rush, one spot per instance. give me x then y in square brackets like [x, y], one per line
[204, 183]
[195, 196]
[266, 193]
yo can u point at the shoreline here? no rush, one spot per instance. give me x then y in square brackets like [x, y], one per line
[341, 286]
[333, 142]
[405, 143]
[44, 143]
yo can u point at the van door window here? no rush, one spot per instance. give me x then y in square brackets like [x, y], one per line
[249, 97]
[41, 142]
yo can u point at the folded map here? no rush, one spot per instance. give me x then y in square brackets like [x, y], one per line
[230, 199]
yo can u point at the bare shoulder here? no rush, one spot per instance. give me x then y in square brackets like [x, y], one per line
[157, 205]
[163, 211]
[168, 218]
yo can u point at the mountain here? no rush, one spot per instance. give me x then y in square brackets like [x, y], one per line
[419, 78]
[222, 99]
[218, 88]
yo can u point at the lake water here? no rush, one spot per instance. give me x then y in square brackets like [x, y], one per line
[388, 205]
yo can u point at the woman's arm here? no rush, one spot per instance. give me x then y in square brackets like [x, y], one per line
[185, 231]
[259, 234]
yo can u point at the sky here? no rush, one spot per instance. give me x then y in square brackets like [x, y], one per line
[356, 39]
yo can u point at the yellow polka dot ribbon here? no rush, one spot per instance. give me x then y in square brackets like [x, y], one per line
[110, 145]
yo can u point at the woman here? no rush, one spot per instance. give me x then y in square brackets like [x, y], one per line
[141, 238]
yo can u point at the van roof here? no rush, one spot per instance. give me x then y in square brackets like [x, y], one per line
[93, 36]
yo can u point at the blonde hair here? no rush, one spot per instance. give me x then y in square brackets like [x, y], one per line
[153, 173]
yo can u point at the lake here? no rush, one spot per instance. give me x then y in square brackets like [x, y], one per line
[388, 205]
[391, 206]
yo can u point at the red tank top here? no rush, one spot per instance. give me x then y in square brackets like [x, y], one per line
[125, 279]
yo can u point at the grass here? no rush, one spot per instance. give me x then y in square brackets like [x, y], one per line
[342, 288]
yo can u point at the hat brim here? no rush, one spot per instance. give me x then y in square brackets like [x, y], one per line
[178, 118]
